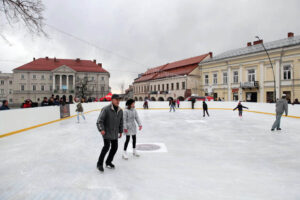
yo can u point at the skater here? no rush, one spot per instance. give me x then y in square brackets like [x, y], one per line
[79, 110]
[178, 103]
[240, 108]
[145, 104]
[281, 107]
[110, 125]
[193, 102]
[172, 105]
[205, 109]
[130, 117]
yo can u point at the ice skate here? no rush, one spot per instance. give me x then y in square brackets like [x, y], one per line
[135, 153]
[125, 156]
[110, 166]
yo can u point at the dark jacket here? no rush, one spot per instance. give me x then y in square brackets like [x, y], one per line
[79, 107]
[3, 107]
[240, 107]
[45, 103]
[111, 122]
[204, 106]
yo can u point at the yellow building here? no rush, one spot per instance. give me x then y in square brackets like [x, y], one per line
[246, 73]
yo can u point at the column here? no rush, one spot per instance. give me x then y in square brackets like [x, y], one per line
[53, 86]
[60, 82]
[73, 82]
[67, 82]
[277, 78]
[229, 83]
[261, 82]
[241, 80]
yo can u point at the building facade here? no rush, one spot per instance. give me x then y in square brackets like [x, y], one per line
[176, 80]
[6, 87]
[45, 76]
[246, 74]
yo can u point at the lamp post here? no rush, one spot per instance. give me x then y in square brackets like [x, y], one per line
[274, 97]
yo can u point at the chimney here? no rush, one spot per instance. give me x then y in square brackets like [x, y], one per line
[33, 58]
[100, 64]
[290, 34]
[94, 61]
[77, 59]
[249, 44]
[47, 57]
[257, 42]
[210, 54]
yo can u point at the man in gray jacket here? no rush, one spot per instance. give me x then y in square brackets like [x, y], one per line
[281, 106]
[110, 124]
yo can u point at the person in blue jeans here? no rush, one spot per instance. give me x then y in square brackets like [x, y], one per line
[79, 110]
[281, 107]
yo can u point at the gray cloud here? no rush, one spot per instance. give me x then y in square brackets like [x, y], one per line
[149, 33]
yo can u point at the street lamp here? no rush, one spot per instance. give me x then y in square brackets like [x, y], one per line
[274, 97]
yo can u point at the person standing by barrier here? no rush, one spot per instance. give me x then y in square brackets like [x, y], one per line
[193, 100]
[4, 105]
[172, 105]
[205, 109]
[130, 117]
[178, 103]
[281, 107]
[110, 125]
[79, 110]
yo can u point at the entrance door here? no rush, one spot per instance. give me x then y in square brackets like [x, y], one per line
[251, 96]
[270, 97]
[216, 96]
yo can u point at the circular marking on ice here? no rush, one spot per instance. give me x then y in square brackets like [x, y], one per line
[147, 147]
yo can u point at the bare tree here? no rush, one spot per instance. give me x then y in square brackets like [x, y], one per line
[27, 11]
[82, 85]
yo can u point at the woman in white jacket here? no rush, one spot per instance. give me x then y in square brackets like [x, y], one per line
[130, 118]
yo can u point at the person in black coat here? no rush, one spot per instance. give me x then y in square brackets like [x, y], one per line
[240, 108]
[4, 105]
[45, 102]
[205, 109]
[193, 100]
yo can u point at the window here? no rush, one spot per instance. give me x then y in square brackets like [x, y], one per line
[10, 100]
[2, 91]
[168, 87]
[206, 79]
[10, 82]
[177, 86]
[34, 76]
[163, 87]
[22, 87]
[22, 76]
[183, 85]
[224, 77]
[102, 89]
[151, 88]
[51, 77]
[92, 78]
[154, 87]
[215, 78]
[10, 91]
[34, 87]
[42, 77]
[158, 87]
[42, 88]
[172, 86]
[102, 78]
[51, 88]
[2, 82]
[251, 75]
[235, 77]
[287, 72]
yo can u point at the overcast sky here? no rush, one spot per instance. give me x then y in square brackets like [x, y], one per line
[133, 35]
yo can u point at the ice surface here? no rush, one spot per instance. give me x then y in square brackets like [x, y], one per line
[220, 157]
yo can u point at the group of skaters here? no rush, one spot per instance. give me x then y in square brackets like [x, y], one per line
[111, 123]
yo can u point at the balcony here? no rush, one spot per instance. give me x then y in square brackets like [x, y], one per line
[250, 85]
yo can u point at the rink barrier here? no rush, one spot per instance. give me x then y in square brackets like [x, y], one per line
[154, 106]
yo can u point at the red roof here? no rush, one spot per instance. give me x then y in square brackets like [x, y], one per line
[48, 64]
[176, 68]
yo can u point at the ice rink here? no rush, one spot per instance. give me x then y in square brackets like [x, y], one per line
[220, 157]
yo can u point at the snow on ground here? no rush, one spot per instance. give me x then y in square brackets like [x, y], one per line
[220, 157]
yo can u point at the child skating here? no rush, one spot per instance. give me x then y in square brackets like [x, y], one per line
[130, 118]
[240, 108]
[79, 110]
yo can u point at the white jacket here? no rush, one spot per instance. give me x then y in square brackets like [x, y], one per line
[131, 116]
